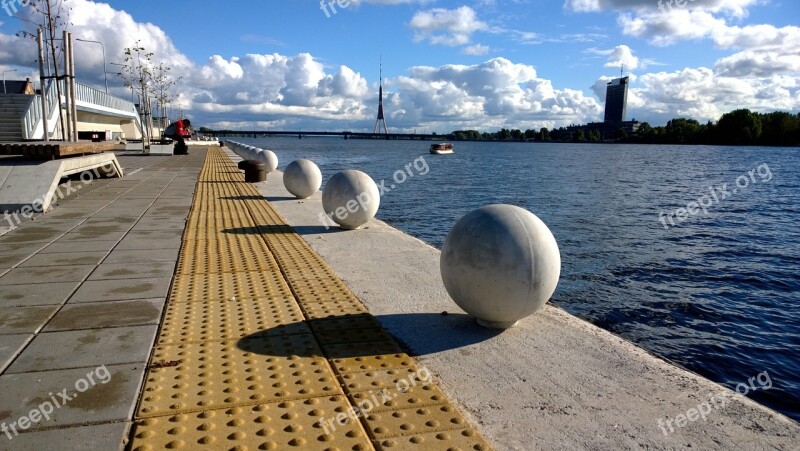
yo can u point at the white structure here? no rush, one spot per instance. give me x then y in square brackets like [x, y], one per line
[350, 199]
[102, 114]
[500, 263]
[267, 157]
[302, 178]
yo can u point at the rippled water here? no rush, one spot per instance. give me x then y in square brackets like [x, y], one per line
[717, 294]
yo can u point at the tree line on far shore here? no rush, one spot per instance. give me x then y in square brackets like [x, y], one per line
[739, 127]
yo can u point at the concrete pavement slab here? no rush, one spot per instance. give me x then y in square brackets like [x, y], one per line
[142, 256]
[65, 246]
[85, 348]
[68, 273]
[9, 346]
[80, 438]
[112, 271]
[141, 243]
[23, 295]
[65, 259]
[97, 315]
[121, 290]
[25, 320]
[99, 403]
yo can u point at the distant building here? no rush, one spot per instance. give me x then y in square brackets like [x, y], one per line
[616, 100]
[18, 87]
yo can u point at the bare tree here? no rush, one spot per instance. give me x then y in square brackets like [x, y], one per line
[53, 17]
[137, 74]
[163, 82]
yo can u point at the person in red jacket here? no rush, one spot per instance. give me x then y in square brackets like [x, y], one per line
[178, 131]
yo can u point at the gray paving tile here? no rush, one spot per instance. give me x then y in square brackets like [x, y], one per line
[44, 275]
[21, 248]
[11, 259]
[101, 403]
[139, 243]
[164, 226]
[120, 290]
[104, 236]
[9, 346]
[142, 256]
[63, 245]
[79, 438]
[24, 320]
[18, 236]
[84, 348]
[96, 315]
[35, 294]
[65, 259]
[112, 271]
[156, 234]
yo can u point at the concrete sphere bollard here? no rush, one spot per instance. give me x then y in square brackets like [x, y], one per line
[350, 198]
[500, 263]
[302, 178]
[267, 157]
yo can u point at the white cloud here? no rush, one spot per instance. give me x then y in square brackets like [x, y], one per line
[476, 50]
[452, 27]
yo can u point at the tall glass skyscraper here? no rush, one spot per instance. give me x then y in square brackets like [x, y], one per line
[616, 99]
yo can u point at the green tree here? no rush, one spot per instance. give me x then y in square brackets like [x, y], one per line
[544, 134]
[739, 127]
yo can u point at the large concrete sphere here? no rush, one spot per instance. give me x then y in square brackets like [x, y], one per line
[500, 263]
[351, 198]
[267, 157]
[302, 178]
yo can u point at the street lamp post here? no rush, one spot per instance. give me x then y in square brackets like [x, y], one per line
[4, 79]
[104, 58]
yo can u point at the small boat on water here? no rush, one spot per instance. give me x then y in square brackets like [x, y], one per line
[441, 149]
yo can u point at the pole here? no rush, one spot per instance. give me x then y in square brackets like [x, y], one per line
[45, 115]
[65, 43]
[51, 27]
[103, 47]
[72, 89]
[4, 79]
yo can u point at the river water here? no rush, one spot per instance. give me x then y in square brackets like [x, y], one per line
[714, 288]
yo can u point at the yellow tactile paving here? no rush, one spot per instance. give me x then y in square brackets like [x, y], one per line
[263, 347]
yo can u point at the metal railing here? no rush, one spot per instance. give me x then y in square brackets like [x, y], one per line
[32, 123]
[32, 120]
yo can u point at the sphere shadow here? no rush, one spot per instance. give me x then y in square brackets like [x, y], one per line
[417, 334]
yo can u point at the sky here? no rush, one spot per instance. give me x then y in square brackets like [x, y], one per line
[447, 65]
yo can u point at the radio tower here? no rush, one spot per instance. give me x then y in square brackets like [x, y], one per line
[381, 119]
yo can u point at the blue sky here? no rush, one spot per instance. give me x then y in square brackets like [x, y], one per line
[448, 65]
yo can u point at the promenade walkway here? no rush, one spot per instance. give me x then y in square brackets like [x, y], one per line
[261, 345]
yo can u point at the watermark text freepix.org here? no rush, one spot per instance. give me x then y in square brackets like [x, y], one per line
[715, 196]
[14, 219]
[329, 6]
[665, 6]
[376, 399]
[715, 400]
[58, 400]
[11, 7]
[399, 177]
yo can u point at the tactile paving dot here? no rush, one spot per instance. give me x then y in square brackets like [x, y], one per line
[420, 395]
[454, 440]
[398, 379]
[358, 349]
[241, 285]
[209, 375]
[419, 420]
[270, 426]
[372, 363]
[230, 319]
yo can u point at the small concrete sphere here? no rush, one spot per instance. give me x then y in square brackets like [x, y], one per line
[302, 178]
[350, 198]
[267, 157]
[500, 263]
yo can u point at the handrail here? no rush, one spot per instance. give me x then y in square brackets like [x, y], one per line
[32, 120]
